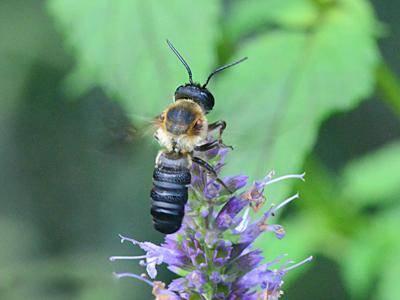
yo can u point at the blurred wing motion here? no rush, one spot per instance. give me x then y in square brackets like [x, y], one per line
[121, 134]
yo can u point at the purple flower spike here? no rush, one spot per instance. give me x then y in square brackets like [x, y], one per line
[236, 182]
[211, 190]
[213, 252]
[255, 195]
[229, 211]
[161, 293]
[215, 277]
[196, 280]
[278, 230]
[178, 285]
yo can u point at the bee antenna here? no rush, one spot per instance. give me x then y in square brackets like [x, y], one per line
[182, 60]
[223, 68]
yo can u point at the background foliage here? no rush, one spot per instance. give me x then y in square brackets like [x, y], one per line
[317, 94]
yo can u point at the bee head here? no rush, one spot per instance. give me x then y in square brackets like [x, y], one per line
[197, 93]
[194, 91]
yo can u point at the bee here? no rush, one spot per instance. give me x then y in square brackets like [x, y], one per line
[182, 129]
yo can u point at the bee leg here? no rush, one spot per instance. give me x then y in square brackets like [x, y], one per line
[221, 124]
[202, 163]
[207, 146]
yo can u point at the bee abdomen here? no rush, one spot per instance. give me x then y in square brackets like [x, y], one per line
[169, 196]
[176, 177]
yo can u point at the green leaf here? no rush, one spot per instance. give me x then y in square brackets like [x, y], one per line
[249, 16]
[22, 47]
[389, 281]
[84, 275]
[315, 227]
[360, 263]
[305, 233]
[20, 238]
[120, 45]
[275, 102]
[388, 86]
[374, 254]
[374, 178]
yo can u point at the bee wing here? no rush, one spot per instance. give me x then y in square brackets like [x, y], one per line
[121, 133]
[149, 126]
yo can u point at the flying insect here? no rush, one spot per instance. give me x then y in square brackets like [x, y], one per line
[182, 130]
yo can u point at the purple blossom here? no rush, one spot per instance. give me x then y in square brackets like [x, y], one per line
[236, 182]
[229, 211]
[212, 252]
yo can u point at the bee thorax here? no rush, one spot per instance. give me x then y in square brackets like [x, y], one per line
[179, 143]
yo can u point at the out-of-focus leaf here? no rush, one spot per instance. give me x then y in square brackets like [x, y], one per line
[305, 233]
[316, 227]
[100, 292]
[20, 240]
[248, 16]
[371, 258]
[374, 178]
[389, 86]
[22, 45]
[120, 45]
[275, 102]
[389, 287]
[79, 276]
[361, 264]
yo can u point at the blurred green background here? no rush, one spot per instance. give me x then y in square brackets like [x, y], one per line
[319, 93]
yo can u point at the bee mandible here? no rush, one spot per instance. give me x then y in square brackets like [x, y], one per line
[182, 129]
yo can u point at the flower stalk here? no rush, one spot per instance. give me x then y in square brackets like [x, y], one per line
[213, 252]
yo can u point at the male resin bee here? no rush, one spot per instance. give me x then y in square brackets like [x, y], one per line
[182, 129]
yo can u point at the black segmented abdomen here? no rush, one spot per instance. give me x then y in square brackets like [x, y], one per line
[169, 195]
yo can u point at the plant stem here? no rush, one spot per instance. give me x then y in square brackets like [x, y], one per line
[388, 86]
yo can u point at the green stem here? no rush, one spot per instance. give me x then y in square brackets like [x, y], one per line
[388, 86]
